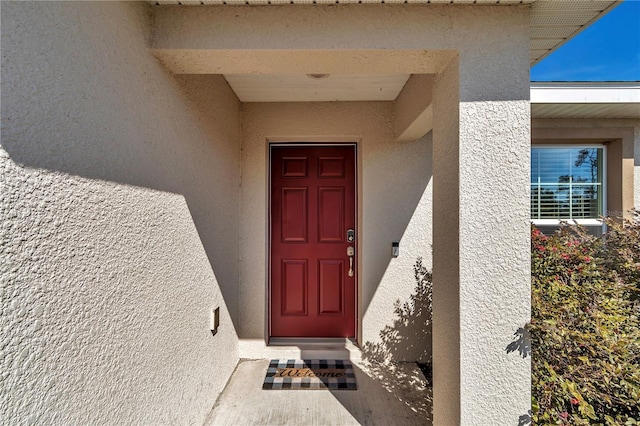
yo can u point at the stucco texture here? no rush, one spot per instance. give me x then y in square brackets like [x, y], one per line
[114, 193]
[494, 259]
[481, 247]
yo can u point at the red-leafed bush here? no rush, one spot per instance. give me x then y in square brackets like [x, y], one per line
[585, 328]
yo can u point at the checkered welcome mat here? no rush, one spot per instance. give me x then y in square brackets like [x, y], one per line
[310, 374]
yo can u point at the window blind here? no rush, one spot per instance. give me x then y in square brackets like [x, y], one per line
[566, 183]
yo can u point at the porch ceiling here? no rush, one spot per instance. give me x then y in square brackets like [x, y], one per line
[327, 88]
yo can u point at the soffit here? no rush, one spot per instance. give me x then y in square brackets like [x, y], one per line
[294, 2]
[585, 110]
[585, 100]
[554, 22]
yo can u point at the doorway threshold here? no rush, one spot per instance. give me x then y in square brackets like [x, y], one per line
[300, 348]
[310, 341]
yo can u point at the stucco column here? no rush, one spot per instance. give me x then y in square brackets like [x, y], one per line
[481, 265]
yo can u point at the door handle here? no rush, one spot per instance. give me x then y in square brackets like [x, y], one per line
[351, 252]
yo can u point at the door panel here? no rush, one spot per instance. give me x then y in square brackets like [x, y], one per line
[294, 220]
[294, 287]
[331, 215]
[312, 207]
[330, 285]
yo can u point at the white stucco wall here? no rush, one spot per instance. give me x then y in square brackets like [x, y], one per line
[119, 203]
[394, 204]
[495, 259]
[481, 140]
[599, 124]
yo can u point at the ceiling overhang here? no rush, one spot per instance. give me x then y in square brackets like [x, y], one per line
[553, 22]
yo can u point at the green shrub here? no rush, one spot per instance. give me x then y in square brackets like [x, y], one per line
[585, 328]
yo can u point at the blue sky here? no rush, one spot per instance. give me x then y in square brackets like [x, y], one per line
[608, 50]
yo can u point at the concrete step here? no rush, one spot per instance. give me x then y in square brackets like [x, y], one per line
[279, 348]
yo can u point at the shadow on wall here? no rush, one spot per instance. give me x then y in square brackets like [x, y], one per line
[399, 388]
[115, 114]
[397, 200]
[522, 345]
[521, 342]
[410, 332]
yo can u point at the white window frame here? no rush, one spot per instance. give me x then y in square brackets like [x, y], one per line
[584, 222]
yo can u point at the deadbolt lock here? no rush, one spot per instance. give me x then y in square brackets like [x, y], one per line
[351, 235]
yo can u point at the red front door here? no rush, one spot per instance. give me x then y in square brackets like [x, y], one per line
[313, 218]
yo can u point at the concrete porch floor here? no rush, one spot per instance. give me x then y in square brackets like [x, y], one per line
[395, 394]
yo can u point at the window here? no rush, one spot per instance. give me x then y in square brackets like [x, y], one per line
[567, 183]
